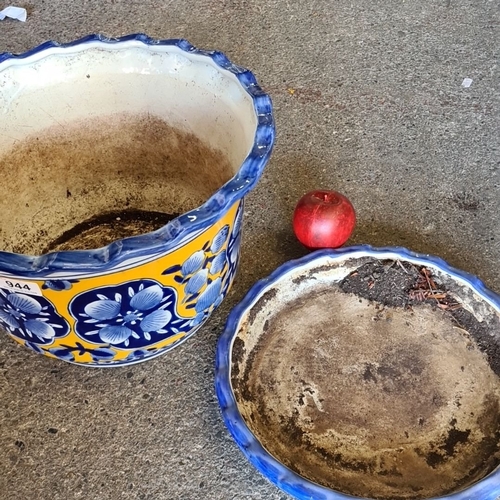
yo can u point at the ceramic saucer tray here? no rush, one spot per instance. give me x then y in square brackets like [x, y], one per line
[366, 373]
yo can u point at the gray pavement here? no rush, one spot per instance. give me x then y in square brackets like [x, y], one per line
[377, 111]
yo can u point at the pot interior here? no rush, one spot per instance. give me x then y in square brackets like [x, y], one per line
[358, 379]
[103, 142]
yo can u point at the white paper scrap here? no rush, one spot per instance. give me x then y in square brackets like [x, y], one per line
[467, 83]
[14, 13]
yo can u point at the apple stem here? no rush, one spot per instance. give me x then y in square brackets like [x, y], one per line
[327, 197]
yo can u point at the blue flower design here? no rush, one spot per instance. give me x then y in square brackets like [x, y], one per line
[238, 220]
[133, 357]
[99, 355]
[132, 315]
[219, 263]
[219, 239]
[207, 274]
[197, 282]
[34, 347]
[233, 248]
[193, 263]
[140, 354]
[58, 285]
[32, 319]
[64, 353]
[234, 253]
[198, 319]
[209, 296]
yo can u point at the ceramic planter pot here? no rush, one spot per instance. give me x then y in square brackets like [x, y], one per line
[124, 165]
[366, 373]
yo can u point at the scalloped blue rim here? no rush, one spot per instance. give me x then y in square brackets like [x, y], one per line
[292, 483]
[167, 237]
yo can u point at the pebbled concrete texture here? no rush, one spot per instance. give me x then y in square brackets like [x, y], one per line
[368, 100]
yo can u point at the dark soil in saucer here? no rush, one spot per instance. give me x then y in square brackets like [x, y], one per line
[385, 385]
[397, 284]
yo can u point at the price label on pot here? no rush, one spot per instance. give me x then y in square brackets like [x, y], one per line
[20, 286]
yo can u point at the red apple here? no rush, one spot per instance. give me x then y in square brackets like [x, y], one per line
[323, 219]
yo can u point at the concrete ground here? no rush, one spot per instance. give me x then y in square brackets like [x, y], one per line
[379, 112]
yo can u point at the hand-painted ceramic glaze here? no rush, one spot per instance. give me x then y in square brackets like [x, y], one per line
[250, 324]
[138, 296]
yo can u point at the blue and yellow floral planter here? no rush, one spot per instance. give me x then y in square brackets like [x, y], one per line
[131, 315]
[141, 296]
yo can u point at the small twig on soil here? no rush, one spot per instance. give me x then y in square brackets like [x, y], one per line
[425, 288]
[402, 267]
[419, 295]
[448, 307]
[432, 285]
[462, 330]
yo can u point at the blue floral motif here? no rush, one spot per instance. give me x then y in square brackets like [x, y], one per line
[34, 347]
[209, 296]
[238, 220]
[219, 263]
[194, 263]
[99, 355]
[32, 319]
[197, 282]
[58, 285]
[65, 353]
[138, 355]
[131, 315]
[219, 240]
[233, 249]
[207, 273]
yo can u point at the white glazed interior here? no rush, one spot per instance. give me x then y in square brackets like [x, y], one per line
[57, 88]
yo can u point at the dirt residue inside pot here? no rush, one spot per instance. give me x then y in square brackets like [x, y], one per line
[383, 386]
[101, 180]
[104, 229]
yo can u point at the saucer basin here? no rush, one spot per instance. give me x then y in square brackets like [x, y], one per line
[332, 395]
[125, 163]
